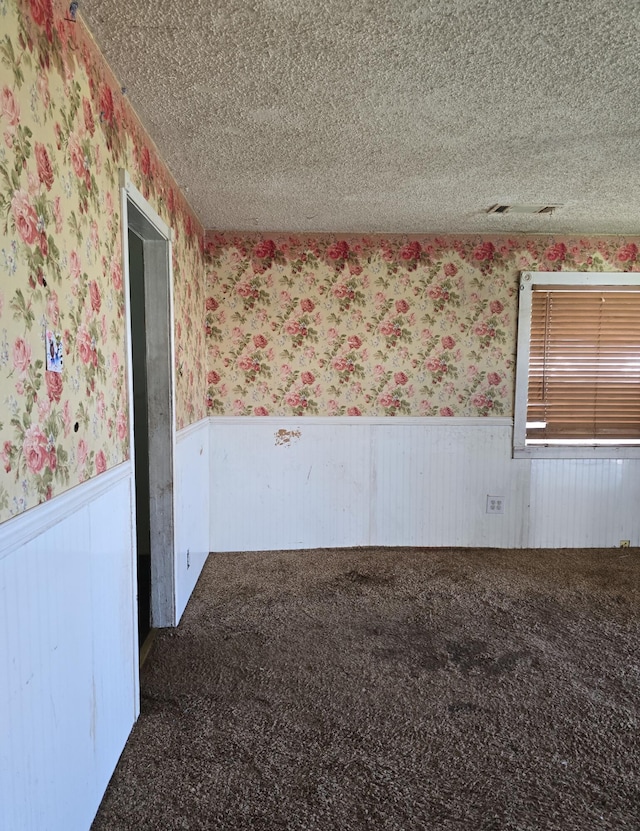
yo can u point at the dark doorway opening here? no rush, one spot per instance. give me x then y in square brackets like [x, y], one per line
[140, 422]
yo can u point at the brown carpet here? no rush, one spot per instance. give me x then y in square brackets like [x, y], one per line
[393, 689]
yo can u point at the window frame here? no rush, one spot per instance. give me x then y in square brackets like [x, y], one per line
[522, 450]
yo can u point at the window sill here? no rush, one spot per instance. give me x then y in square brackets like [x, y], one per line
[568, 451]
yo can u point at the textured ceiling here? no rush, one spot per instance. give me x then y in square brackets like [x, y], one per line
[409, 116]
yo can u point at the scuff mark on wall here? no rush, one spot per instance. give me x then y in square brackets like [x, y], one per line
[285, 437]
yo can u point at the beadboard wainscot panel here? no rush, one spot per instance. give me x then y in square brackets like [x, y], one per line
[68, 653]
[191, 472]
[584, 502]
[431, 478]
[289, 483]
[324, 482]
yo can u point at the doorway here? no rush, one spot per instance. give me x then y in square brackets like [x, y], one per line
[147, 256]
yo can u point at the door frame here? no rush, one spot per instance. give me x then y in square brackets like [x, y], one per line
[138, 215]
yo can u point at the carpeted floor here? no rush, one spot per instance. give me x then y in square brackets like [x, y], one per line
[393, 689]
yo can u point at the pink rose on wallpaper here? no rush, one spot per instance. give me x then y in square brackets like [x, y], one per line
[484, 251]
[116, 274]
[7, 449]
[21, 355]
[213, 377]
[94, 294]
[340, 365]
[402, 307]
[338, 251]
[76, 155]
[494, 379]
[448, 342]
[53, 312]
[45, 171]
[212, 304]
[122, 427]
[54, 385]
[42, 13]
[82, 453]
[35, 448]
[115, 364]
[260, 411]
[446, 412]
[294, 400]
[628, 252]
[496, 307]
[84, 345]
[341, 291]
[245, 363]
[25, 217]
[307, 305]
[411, 251]
[292, 328]
[9, 107]
[354, 342]
[259, 341]
[481, 401]
[433, 364]
[400, 378]
[386, 328]
[106, 103]
[450, 270]
[265, 249]
[87, 112]
[145, 163]
[353, 411]
[244, 289]
[386, 400]
[101, 462]
[556, 252]
[307, 378]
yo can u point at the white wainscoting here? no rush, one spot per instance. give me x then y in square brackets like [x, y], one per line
[68, 658]
[588, 502]
[191, 489]
[325, 482]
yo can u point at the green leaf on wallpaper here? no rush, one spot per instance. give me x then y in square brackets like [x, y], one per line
[9, 59]
[74, 227]
[82, 415]
[21, 309]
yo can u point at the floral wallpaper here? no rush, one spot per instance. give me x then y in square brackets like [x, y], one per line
[65, 130]
[374, 326]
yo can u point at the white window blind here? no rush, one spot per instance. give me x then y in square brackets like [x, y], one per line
[584, 364]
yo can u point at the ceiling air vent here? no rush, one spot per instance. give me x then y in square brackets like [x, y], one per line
[523, 209]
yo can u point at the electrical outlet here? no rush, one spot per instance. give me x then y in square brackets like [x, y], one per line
[625, 543]
[188, 559]
[495, 504]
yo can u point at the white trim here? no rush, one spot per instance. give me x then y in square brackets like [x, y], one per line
[190, 429]
[358, 421]
[25, 527]
[522, 450]
[143, 206]
[129, 193]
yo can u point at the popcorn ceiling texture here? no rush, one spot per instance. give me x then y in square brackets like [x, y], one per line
[398, 116]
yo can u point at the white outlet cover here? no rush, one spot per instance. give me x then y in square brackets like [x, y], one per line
[495, 504]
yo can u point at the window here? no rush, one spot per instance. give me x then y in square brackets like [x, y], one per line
[578, 366]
